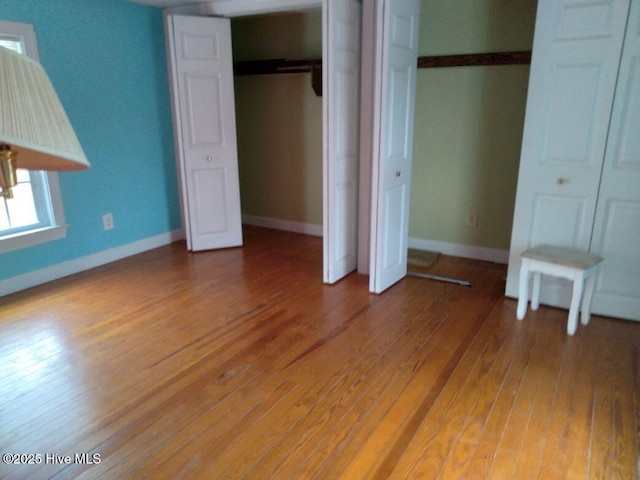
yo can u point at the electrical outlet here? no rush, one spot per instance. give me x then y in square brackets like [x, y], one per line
[107, 221]
[472, 218]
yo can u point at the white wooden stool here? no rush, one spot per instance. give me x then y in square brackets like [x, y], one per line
[574, 265]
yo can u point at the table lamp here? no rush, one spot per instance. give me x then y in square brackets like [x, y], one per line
[35, 133]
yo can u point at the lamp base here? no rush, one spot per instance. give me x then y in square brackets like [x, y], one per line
[8, 166]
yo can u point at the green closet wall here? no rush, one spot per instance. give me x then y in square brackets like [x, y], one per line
[468, 121]
[279, 120]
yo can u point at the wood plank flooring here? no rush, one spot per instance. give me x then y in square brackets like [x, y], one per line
[241, 364]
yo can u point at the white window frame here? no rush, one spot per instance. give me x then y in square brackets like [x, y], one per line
[55, 226]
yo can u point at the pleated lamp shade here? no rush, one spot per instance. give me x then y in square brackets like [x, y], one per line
[32, 120]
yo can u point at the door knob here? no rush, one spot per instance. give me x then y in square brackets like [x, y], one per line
[562, 181]
[209, 158]
[398, 173]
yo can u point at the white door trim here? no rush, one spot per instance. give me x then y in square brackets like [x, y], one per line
[367, 75]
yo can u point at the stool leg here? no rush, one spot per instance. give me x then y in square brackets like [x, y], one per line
[523, 293]
[585, 314]
[535, 295]
[578, 284]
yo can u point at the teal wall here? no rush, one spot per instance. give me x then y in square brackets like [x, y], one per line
[106, 60]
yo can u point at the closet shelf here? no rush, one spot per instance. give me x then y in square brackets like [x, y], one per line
[281, 65]
[314, 66]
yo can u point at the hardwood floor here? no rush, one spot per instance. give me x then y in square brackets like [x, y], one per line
[241, 364]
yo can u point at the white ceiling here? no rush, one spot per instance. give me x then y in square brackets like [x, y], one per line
[236, 7]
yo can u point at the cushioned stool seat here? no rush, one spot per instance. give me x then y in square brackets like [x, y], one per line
[574, 265]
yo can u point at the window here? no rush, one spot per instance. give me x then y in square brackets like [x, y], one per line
[34, 215]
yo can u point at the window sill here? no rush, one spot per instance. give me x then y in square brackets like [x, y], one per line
[30, 238]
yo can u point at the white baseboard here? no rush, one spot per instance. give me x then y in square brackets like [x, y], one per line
[54, 272]
[459, 250]
[286, 225]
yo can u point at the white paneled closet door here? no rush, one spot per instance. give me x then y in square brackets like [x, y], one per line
[616, 233]
[574, 69]
[342, 21]
[201, 72]
[398, 24]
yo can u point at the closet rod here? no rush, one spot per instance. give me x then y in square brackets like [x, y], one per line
[278, 65]
[476, 59]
